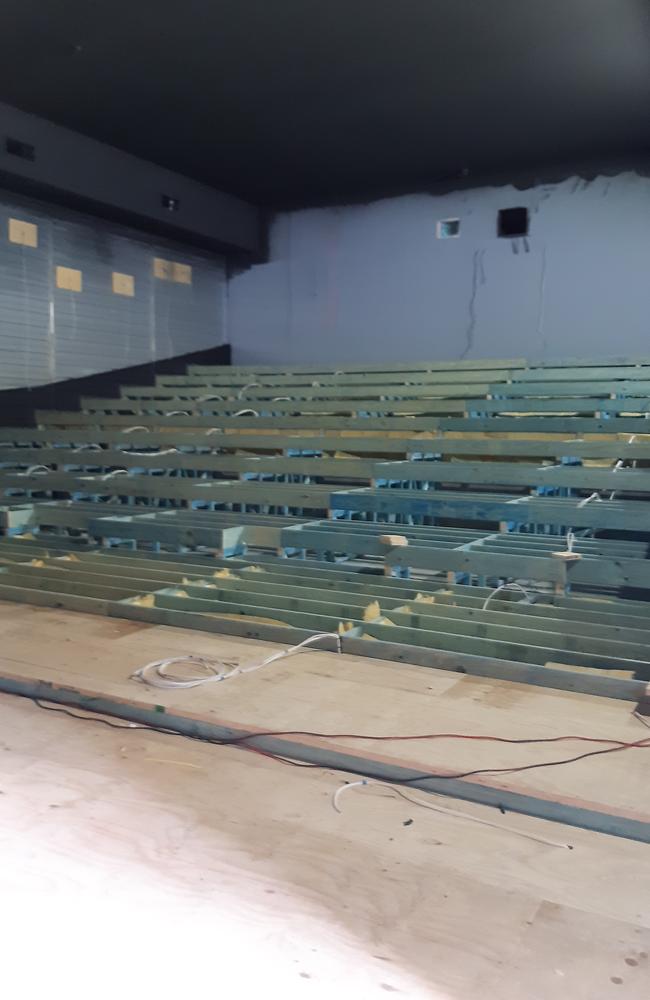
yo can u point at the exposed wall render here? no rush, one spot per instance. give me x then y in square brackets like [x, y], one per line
[374, 281]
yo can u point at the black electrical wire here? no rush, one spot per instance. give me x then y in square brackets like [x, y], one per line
[241, 741]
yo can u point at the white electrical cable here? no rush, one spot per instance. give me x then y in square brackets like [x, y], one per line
[115, 472]
[596, 495]
[178, 413]
[34, 469]
[205, 399]
[251, 385]
[508, 586]
[592, 496]
[136, 427]
[87, 447]
[456, 813]
[151, 454]
[242, 413]
[155, 673]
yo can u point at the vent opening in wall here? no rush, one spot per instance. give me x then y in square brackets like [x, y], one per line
[513, 222]
[448, 229]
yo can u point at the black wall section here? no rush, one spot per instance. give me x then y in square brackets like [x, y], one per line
[78, 172]
[17, 406]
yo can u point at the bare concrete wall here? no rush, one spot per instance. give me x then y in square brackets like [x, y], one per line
[372, 282]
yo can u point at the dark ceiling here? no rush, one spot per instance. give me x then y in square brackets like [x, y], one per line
[310, 101]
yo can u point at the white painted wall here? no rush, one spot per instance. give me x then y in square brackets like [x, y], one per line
[372, 283]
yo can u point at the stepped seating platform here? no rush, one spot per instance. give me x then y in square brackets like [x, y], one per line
[331, 499]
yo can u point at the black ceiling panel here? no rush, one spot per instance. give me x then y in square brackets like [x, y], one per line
[307, 101]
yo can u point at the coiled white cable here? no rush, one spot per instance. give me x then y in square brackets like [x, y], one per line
[33, 470]
[251, 385]
[508, 586]
[115, 472]
[155, 674]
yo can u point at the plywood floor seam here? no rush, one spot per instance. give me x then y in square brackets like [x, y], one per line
[148, 832]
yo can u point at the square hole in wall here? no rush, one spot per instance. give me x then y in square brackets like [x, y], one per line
[512, 222]
[448, 229]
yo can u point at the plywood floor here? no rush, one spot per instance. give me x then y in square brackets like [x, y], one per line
[139, 864]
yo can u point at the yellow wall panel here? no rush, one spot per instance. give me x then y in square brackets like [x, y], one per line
[182, 274]
[162, 269]
[123, 284]
[25, 233]
[69, 279]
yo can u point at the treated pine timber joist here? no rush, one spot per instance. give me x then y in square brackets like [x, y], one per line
[304, 599]
[184, 421]
[476, 473]
[342, 426]
[575, 449]
[544, 511]
[390, 407]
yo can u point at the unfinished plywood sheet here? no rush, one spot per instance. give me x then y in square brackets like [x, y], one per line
[24, 233]
[123, 284]
[214, 840]
[181, 273]
[322, 692]
[162, 269]
[569, 952]
[69, 279]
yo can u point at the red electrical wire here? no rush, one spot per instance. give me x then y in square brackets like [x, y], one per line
[440, 736]
[241, 741]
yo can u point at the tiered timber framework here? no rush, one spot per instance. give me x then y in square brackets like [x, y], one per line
[491, 517]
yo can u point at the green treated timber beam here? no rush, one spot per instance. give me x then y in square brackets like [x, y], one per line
[169, 488]
[592, 572]
[618, 515]
[518, 646]
[619, 643]
[524, 425]
[559, 405]
[486, 473]
[209, 383]
[481, 664]
[172, 436]
[444, 389]
[486, 364]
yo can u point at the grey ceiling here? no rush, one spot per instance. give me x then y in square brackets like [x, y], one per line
[306, 101]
